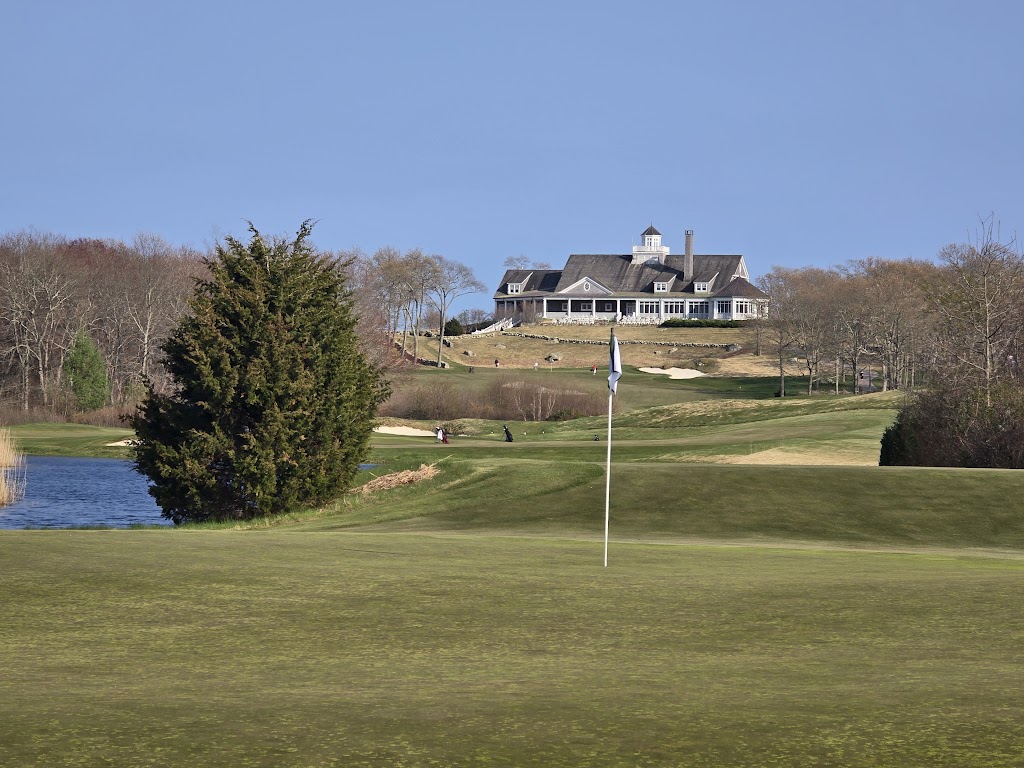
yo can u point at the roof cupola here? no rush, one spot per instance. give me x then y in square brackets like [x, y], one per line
[652, 250]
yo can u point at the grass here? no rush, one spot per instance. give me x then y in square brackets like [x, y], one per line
[517, 352]
[285, 648]
[12, 464]
[664, 502]
[819, 430]
[71, 440]
[752, 615]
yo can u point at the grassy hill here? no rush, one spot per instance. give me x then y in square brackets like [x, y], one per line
[641, 346]
[318, 648]
[772, 598]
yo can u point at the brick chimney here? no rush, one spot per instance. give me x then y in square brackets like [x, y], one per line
[688, 260]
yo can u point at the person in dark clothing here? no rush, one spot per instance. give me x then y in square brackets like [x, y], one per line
[508, 435]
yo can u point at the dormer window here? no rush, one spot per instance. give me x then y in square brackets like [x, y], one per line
[700, 287]
[661, 287]
[514, 287]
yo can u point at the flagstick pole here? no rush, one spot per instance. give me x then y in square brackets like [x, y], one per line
[614, 373]
[608, 479]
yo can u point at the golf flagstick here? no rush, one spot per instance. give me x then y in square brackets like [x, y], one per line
[614, 372]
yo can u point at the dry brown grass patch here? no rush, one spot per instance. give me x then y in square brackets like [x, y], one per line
[517, 352]
[12, 470]
[396, 479]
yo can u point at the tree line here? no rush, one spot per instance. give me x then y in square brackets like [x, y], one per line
[946, 332]
[66, 300]
[834, 320]
[406, 290]
[124, 298]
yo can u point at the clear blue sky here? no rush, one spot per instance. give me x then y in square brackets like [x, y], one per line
[795, 133]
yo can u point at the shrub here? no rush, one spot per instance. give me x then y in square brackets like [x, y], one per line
[429, 402]
[508, 397]
[453, 328]
[273, 403]
[110, 416]
[950, 426]
[682, 322]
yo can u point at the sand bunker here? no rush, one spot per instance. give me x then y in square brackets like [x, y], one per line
[407, 431]
[121, 443]
[676, 373]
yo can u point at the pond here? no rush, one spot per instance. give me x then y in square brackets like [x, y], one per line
[70, 492]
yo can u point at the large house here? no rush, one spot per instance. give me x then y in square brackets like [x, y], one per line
[648, 285]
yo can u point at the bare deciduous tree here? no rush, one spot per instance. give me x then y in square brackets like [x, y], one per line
[979, 299]
[37, 303]
[779, 325]
[450, 280]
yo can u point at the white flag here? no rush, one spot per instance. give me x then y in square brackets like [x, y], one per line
[614, 364]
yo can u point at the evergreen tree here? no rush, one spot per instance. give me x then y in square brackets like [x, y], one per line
[454, 328]
[274, 404]
[87, 373]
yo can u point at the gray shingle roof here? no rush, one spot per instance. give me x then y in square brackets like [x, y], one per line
[650, 231]
[537, 280]
[620, 275]
[742, 289]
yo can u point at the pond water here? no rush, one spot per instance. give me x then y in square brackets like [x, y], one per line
[69, 492]
[72, 492]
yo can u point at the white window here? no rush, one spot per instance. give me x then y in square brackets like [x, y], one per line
[742, 307]
[660, 287]
[515, 287]
[700, 287]
[609, 306]
[722, 307]
[675, 307]
[585, 306]
[586, 286]
[698, 308]
[647, 307]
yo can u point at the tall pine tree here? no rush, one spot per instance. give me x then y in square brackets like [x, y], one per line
[274, 404]
[87, 374]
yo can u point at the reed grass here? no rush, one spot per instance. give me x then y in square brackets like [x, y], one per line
[12, 470]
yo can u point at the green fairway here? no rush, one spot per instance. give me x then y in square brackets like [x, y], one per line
[318, 649]
[864, 506]
[758, 610]
[71, 440]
